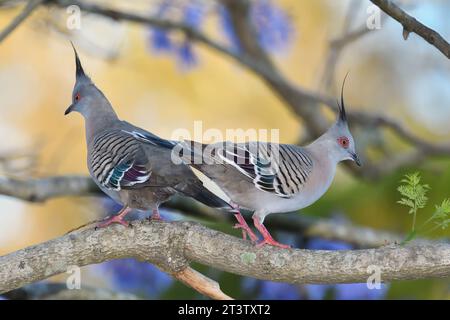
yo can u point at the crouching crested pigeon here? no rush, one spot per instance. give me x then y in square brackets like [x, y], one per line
[273, 178]
[132, 166]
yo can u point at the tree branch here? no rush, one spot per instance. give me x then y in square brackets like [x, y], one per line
[172, 246]
[29, 8]
[410, 24]
[39, 190]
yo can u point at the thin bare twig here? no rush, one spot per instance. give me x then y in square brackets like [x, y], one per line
[411, 24]
[26, 12]
[201, 283]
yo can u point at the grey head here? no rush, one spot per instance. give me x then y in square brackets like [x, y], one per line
[87, 99]
[339, 140]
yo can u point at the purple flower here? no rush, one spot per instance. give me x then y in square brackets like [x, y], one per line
[323, 244]
[359, 291]
[279, 291]
[270, 290]
[272, 25]
[185, 55]
[347, 291]
[136, 277]
[194, 13]
[160, 41]
[159, 38]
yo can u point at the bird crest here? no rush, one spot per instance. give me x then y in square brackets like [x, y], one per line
[342, 117]
[80, 74]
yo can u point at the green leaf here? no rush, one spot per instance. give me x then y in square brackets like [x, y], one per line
[410, 236]
[441, 215]
[413, 194]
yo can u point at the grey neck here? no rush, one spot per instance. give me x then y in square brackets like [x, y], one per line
[103, 119]
[324, 149]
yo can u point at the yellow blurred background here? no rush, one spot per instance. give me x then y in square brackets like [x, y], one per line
[37, 73]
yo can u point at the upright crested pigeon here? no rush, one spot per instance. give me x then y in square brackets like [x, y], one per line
[273, 178]
[132, 166]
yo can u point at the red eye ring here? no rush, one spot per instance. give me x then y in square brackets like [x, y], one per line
[77, 97]
[343, 142]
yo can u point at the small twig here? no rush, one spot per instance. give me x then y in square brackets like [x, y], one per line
[411, 24]
[29, 8]
[201, 283]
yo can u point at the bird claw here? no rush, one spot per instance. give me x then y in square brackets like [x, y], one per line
[112, 220]
[246, 231]
[155, 216]
[272, 242]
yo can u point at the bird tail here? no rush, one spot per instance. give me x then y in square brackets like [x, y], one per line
[206, 191]
[208, 198]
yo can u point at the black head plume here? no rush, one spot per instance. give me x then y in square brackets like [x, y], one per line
[79, 70]
[342, 116]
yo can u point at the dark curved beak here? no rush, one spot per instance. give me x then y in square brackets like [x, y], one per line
[356, 159]
[68, 110]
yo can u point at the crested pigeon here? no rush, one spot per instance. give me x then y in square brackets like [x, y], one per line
[273, 178]
[132, 166]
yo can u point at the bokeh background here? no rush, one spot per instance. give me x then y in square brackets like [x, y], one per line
[161, 82]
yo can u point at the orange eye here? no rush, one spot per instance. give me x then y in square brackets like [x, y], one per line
[77, 97]
[343, 142]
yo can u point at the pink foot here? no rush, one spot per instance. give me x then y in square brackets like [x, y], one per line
[245, 228]
[272, 242]
[267, 237]
[155, 215]
[114, 219]
[119, 218]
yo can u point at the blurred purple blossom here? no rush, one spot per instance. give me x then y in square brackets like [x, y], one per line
[272, 24]
[159, 38]
[193, 13]
[270, 290]
[323, 244]
[140, 278]
[186, 56]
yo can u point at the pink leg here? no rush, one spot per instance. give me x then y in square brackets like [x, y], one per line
[267, 237]
[118, 218]
[156, 215]
[245, 228]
